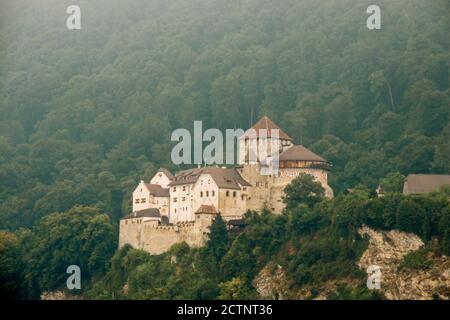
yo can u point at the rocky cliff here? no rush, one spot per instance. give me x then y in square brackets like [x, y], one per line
[387, 250]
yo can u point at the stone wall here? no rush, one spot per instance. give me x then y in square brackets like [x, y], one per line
[156, 239]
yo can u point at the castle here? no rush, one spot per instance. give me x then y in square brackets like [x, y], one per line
[176, 208]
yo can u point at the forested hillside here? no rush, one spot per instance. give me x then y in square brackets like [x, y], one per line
[86, 114]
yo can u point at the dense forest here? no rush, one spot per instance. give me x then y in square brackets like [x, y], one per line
[86, 114]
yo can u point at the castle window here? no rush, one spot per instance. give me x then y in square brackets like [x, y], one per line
[234, 194]
[184, 199]
[213, 193]
[244, 189]
[184, 188]
[136, 201]
[175, 199]
[227, 193]
[175, 210]
[174, 189]
[143, 200]
[201, 194]
[207, 193]
[242, 197]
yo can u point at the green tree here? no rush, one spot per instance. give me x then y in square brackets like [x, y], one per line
[303, 190]
[392, 183]
[218, 241]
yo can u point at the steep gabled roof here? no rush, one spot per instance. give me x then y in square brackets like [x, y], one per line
[156, 190]
[267, 124]
[300, 153]
[225, 178]
[166, 172]
[424, 183]
[146, 213]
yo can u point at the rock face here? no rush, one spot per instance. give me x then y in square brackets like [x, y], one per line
[58, 295]
[271, 285]
[387, 250]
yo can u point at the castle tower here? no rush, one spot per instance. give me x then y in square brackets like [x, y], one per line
[264, 132]
[204, 217]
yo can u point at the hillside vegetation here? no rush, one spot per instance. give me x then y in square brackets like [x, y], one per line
[85, 115]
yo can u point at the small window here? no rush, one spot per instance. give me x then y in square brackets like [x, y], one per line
[242, 197]
[201, 194]
[136, 201]
[183, 199]
[227, 193]
[175, 199]
[143, 200]
[234, 194]
[184, 188]
[213, 193]
[174, 189]
[207, 193]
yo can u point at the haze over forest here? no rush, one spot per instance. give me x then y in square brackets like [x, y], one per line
[85, 115]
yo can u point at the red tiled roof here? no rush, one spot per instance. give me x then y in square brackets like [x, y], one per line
[267, 124]
[225, 178]
[209, 209]
[300, 153]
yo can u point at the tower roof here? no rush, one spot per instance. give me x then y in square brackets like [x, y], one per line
[300, 153]
[206, 209]
[267, 124]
